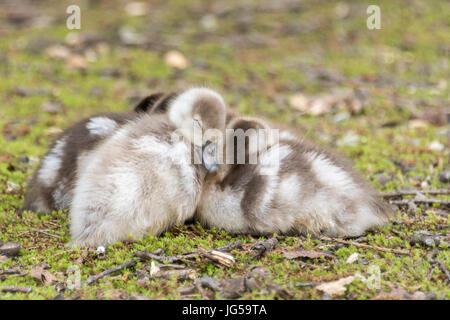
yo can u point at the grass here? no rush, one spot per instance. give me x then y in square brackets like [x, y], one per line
[258, 56]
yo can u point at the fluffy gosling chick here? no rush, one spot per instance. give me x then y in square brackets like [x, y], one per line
[294, 187]
[51, 187]
[141, 180]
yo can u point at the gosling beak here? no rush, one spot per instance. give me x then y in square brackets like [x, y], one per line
[209, 160]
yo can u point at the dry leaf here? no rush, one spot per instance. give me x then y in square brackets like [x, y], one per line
[335, 287]
[5, 157]
[58, 52]
[300, 253]
[299, 101]
[118, 295]
[43, 276]
[76, 61]
[136, 9]
[418, 124]
[176, 60]
[401, 294]
[320, 104]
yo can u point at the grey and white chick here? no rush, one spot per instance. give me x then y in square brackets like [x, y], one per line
[141, 180]
[51, 187]
[294, 187]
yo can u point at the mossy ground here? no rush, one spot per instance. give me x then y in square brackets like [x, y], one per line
[257, 54]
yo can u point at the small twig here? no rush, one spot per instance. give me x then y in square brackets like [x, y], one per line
[230, 247]
[10, 271]
[171, 265]
[444, 270]
[306, 265]
[199, 287]
[31, 248]
[23, 274]
[366, 246]
[103, 274]
[144, 255]
[209, 282]
[180, 275]
[46, 233]
[305, 284]
[16, 289]
[53, 224]
[426, 201]
[402, 193]
[13, 273]
[218, 256]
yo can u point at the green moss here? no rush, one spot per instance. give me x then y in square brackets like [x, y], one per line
[257, 65]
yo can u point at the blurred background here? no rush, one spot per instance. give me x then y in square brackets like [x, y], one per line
[380, 96]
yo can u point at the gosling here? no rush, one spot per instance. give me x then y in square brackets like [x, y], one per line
[51, 187]
[141, 180]
[293, 187]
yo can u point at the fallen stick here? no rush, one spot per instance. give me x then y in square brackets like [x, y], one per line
[426, 201]
[145, 255]
[208, 282]
[218, 256]
[306, 265]
[402, 193]
[305, 284]
[46, 233]
[10, 271]
[103, 274]
[444, 270]
[230, 247]
[180, 275]
[171, 265]
[17, 275]
[16, 289]
[366, 246]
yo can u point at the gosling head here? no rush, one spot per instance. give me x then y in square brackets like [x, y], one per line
[200, 115]
[246, 137]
